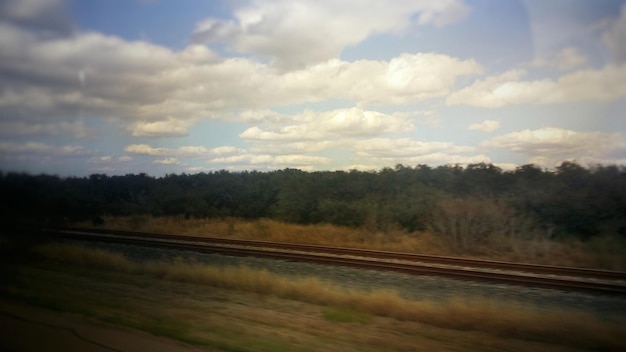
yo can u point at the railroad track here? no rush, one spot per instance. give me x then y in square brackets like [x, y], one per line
[553, 277]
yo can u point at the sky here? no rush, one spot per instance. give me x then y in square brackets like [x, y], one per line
[186, 86]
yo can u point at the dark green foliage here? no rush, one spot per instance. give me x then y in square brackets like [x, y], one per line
[570, 200]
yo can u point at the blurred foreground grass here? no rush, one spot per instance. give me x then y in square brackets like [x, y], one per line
[242, 309]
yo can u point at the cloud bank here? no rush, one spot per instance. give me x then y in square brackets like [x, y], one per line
[275, 70]
[298, 34]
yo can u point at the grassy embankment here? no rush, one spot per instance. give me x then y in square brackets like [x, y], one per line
[242, 309]
[603, 252]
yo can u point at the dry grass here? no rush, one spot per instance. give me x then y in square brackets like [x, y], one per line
[81, 256]
[604, 252]
[503, 319]
[272, 230]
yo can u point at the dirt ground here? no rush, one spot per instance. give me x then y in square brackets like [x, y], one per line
[27, 328]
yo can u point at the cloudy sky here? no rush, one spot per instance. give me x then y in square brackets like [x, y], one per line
[172, 86]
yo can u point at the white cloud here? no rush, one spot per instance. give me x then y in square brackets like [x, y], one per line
[184, 151]
[423, 117]
[266, 161]
[230, 157]
[144, 149]
[168, 128]
[109, 159]
[390, 147]
[508, 166]
[49, 18]
[421, 76]
[615, 37]
[602, 85]
[197, 169]
[404, 79]
[190, 150]
[311, 125]
[549, 146]
[161, 92]
[566, 59]
[225, 150]
[167, 161]
[296, 34]
[10, 149]
[386, 151]
[100, 159]
[45, 74]
[304, 147]
[287, 160]
[542, 141]
[361, 167]
[444, 13]
[485, 126]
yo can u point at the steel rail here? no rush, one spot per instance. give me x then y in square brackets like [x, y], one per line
[414, 268]
[433, 259]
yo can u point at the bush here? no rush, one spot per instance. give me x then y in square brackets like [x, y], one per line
[470, 224]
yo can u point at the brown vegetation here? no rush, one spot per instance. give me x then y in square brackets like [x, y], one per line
[507, 238]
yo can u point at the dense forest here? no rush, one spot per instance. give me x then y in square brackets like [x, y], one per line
[471, 203]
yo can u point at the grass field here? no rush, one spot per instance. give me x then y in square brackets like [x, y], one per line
[241, 309]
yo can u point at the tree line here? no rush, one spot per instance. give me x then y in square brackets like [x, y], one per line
[470, 203]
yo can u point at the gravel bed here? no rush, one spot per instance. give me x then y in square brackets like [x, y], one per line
[409, 286]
